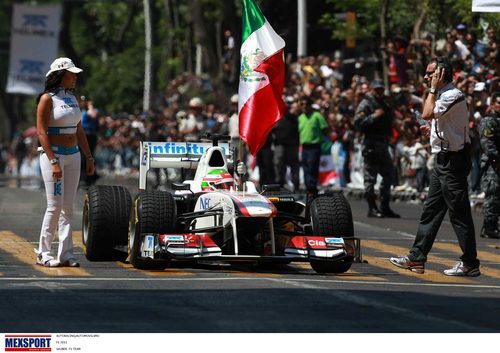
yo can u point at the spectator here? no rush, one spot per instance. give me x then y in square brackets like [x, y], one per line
[191, 126]
[312, 130]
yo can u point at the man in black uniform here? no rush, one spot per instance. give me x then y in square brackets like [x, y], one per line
[374, 119]
[490, 168]
[446, 109]
[286, 147]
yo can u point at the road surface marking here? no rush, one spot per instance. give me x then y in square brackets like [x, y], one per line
[22, 250]
[251, 274]
[167, 272]
[429, 275]
[332, 280]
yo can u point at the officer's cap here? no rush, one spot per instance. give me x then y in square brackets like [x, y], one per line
[377, 84]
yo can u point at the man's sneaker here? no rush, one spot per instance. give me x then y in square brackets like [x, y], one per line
[407, 264]
[460, 269]
[71, 263]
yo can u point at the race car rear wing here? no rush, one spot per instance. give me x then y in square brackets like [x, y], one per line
[174, 155]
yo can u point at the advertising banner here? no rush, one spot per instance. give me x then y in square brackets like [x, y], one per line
[33, 46]
[485, 5]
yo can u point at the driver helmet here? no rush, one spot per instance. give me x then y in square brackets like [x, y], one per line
[218, 179]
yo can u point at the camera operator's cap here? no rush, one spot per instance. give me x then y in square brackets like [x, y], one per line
[479, 87]
[377, 84]
[195, 102]
[63, 64]
[234, 98]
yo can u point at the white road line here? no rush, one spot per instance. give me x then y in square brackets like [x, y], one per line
[356, 299]
[283, 279]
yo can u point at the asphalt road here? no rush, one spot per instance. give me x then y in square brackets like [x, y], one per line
[373, 296]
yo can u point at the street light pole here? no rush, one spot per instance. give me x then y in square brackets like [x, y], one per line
[301, 28]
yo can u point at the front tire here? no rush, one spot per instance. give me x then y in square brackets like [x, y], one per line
[153, 212]
[106, 211]
[331, 215]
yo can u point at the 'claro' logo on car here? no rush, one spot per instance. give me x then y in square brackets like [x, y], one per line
[316, 243]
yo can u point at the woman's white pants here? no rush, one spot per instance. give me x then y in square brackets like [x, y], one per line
[60, 197]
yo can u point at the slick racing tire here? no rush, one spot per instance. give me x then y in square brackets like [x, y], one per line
[331, 215]
[153, 212]
[106, 211]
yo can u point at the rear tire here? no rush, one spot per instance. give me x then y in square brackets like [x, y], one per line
[331, 215]
[106, 211]
[153, 212]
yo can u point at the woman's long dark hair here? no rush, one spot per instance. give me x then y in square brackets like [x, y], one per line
[52, 83]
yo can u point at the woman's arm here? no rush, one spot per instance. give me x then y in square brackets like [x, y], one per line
[42, 124]
[84, 145]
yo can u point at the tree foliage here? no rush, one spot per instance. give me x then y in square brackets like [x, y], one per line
[402, 15]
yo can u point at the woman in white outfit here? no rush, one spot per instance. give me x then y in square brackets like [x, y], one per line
[61, 135]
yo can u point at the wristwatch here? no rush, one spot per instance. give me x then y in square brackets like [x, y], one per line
[54, 161]
[432, 90]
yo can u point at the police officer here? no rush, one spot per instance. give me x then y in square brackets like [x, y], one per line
[374, 119]
[446, 108]
[490, 168]
[286, 147]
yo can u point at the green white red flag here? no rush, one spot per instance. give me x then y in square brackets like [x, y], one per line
[262, 77]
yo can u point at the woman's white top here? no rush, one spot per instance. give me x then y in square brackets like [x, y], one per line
[66, 113]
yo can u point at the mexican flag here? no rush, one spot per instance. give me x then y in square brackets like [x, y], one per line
[262, 77]
[327, 173]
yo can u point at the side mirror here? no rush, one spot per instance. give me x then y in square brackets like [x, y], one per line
[181, 186]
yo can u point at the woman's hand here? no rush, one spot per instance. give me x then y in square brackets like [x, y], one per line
[90, 166]
[56, 172]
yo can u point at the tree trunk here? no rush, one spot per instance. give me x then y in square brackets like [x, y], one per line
[234, 25]
[423, 11]
[148, 64]
[383, 20]
[179, 46]
[65, 36]
[218, 46]
[168, 41]
[201, 37]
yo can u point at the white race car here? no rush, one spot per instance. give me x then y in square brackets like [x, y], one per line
[214, 218]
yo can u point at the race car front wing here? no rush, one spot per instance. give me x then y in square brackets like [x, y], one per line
[201, 246]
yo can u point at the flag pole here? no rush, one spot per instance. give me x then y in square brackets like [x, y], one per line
[240, 159]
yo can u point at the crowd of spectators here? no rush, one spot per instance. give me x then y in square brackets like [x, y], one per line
[190, 105]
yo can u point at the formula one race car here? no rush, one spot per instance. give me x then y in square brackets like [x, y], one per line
[215, 218]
